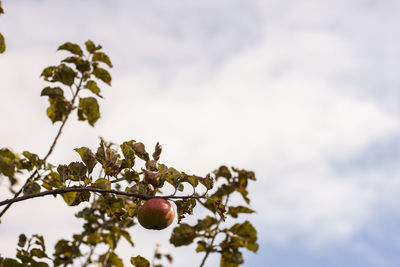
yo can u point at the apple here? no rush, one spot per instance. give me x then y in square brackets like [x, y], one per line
[156, 214]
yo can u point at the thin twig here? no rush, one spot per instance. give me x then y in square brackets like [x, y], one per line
[209, 247]
[76, 250]
[72, 102]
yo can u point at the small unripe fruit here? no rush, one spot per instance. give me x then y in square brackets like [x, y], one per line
[156, 214]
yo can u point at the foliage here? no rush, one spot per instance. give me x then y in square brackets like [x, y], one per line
[110, 199]
[2, 41]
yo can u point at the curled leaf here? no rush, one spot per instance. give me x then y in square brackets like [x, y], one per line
[73, 48]
[102, 57]
[87, 157]
[139, 261]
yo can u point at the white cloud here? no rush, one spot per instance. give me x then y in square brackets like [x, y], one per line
[281, 89]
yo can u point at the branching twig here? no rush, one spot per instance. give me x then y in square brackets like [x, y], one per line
[209, 247]
[70, 259]
[72, 102]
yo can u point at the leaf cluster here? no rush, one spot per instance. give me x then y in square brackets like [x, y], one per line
[78, 71]
[240, 235]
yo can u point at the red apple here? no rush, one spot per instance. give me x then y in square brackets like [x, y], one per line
[156, 213]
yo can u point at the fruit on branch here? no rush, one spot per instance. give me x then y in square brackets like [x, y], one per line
[156, 214]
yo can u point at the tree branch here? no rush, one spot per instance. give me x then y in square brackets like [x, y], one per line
[63, 190]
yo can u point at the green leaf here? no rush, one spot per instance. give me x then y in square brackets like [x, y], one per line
[157, 152]
[216, 206]
[75, 198]
[47, 72]
[223, 171]
[93, 238]
[52, 92]
[91, 47]
[129, 153]
[113, 260]
[173, 176]
[69, 198]
[81, 197]
[8, 164]
[64, 172]
[8, 262]
[31, 188]
[248, 233]
[205, 223]
[207, 181]
[201, 246]
[183, 235]
[38, 253]
[127, 237]
[103, 75]
[82, 65]
[58, 109]
[102, 57]
[244, 175]
[22, 240]
[139, 261]
[64, 74]
[244, 193]
[73, 48]
[72, 59]
[109, 159]
[32, 157]
[88, 109]
[39, 241]
[192, 179]
[231, 259]
[184, 206]
[1, 9]
[7, 153]
[109, 239]
[102, 183]
[2, 44]
[63, 250]
[234, 211]
[87, 157]
[77, 171]
[92, 86]
[180, 187]
[131, 176]
[52, 180]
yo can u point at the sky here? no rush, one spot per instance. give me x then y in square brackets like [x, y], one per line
[305, 93]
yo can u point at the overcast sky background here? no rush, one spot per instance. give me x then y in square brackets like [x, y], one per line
[305, 93]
